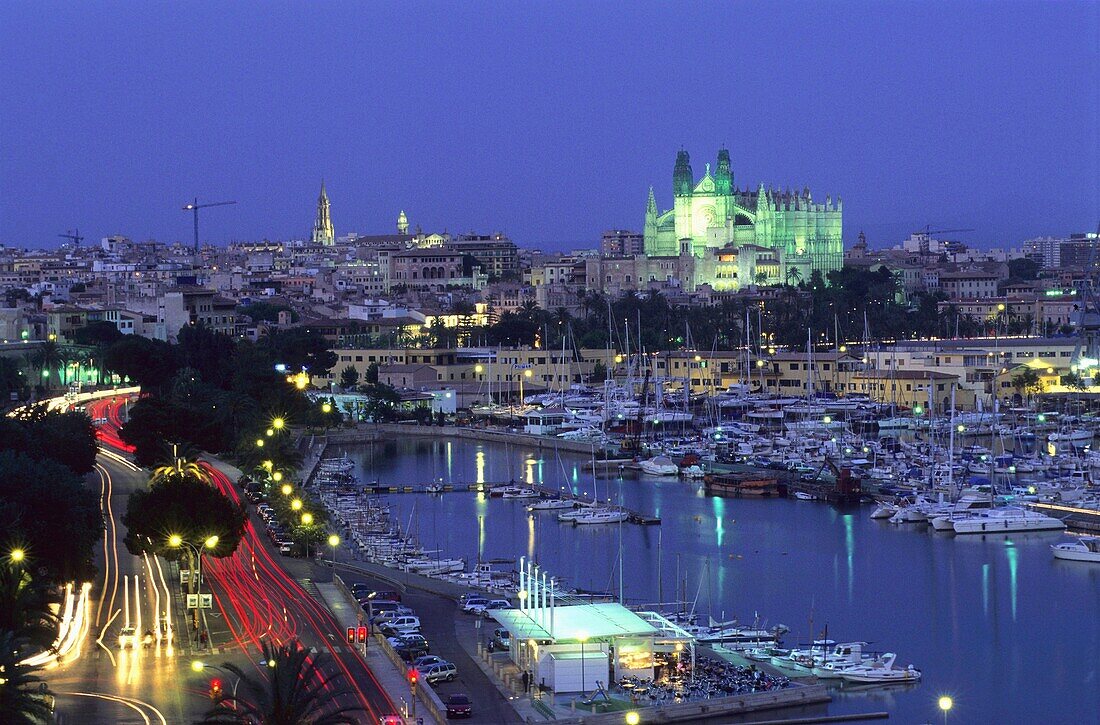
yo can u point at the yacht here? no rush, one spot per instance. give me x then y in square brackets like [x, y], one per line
[660, 466]
[601, 516]
[551, 504]
[844, 656]
[1085, 548]
[1075, 437]
[1002, 520]
[881, 670]
[884, 511]
[518, 492]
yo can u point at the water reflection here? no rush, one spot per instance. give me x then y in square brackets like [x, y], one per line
[935, 600]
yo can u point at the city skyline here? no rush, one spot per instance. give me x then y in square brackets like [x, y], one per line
[484, 128]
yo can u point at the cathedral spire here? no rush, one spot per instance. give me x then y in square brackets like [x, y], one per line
[682, 178]
[323, 232]
[651, 203]
[723, 178]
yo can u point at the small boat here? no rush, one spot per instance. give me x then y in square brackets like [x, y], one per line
[693, 471]
[1085, 548]
[803, 496]
[601, 516]
[1076, 437]
[884, 511]
[660, 466]
[517, 492]
[881, 671]
[551, 504]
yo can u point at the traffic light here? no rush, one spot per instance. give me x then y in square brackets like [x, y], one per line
[215, 689]
[414, 677]
[351, 635]
[362, 633]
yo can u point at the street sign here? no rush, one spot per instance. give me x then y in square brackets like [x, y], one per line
[206, 601]
[192, 601]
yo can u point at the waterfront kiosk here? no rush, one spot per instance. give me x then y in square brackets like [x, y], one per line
[544, 421]
[576, 646]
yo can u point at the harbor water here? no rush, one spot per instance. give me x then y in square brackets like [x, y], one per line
[994, 621]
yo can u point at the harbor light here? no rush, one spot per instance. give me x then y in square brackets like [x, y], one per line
[632, 718]
[296, 504]
[945, 703]
[1042, 418]
[1050, 371]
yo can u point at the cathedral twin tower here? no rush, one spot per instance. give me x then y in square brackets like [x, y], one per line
[713, 221]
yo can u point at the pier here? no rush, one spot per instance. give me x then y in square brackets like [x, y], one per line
[636, 517]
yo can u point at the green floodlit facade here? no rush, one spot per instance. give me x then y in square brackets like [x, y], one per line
[736, 237]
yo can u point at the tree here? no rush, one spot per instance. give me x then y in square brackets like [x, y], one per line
[49, 359]
[382, 401]
[794, 276]
[210, 353]
[68, 438]
[1027, 381]
[148, 363]
[22, 692]
[761, 277]
[184, 506]
[292, 690]
[12, 379]
[1024, 268]
[25, 608]
[47, 511]
[299, 348]
[100, 332]
[349, 377]
[372, 373]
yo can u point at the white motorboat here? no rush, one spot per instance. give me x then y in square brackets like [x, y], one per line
[601, 516]
[881, 671]
[660, 466]
[894, 423]
[551, 504]
[581, 508]
[803, 496]
[1085, 548]
[1075, 437]
[844, 656]
[884, 511]
[518, 492]
[1002, 520]
[693, 471]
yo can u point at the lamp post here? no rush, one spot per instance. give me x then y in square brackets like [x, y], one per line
[333, 541]
[176, 541]
[307, 521]
[946, 703]
[16, 556]
[582, 638]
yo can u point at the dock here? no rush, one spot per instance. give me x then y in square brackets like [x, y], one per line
[635, 517]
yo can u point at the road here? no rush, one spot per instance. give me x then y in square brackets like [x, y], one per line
[255, 600]
[437, 623]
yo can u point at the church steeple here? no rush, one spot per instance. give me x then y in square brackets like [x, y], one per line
[402, 223]
[723, 179]
[682, 178]
[323, 232]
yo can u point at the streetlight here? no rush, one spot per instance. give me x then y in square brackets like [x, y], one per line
[259, 442]
[946, 703]
[307, 519]
[175, 541]
[633, 718]
[582, 637]
[326, 408]
[277, 476]
[278, 423]
[17, 556]
[269, 432]
[333, 541]
[296, 504]
[286, 489]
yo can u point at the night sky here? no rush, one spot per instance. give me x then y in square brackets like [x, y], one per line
[546, 121]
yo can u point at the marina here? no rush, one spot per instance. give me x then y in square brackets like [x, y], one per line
[770, 561]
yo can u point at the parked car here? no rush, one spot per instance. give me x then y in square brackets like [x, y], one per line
[427, 661]
[390, 614]
[411, 652]
[413, 639]
[400, 625]
[475, 605]
[439, 672]
[364, 591]
[502, 640]
[459, 706]
[374, 607]
[496, 604]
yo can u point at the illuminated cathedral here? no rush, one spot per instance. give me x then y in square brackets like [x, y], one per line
[737, 237]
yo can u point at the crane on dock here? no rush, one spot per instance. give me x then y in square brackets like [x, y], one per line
[73, 235]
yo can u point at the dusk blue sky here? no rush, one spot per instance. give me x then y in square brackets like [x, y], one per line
[546, 121]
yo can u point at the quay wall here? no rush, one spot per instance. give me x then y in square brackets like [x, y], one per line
[370, 432]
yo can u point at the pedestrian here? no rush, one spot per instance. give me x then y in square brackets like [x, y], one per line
[202, 637]
[526, 682]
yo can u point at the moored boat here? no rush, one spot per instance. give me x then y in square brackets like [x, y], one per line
[1085, 548]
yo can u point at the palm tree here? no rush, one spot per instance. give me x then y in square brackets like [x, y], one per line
[794, 276]
[761, 277]
[25, 609]
[180, 464]
[292, 691]
[47, 358]
[23, 694]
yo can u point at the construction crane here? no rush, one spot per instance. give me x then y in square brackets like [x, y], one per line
[73, 235]
[194, 207]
